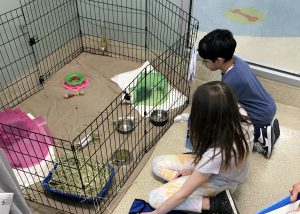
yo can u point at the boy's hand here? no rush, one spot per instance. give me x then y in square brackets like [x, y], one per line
[183, 173]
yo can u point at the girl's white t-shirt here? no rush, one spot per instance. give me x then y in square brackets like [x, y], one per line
[232, 175]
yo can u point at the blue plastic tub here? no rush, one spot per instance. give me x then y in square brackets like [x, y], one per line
[74, 197]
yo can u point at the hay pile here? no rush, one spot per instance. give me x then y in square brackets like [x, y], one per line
[88, 181]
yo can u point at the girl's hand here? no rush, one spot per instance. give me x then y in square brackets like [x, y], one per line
[183, 173]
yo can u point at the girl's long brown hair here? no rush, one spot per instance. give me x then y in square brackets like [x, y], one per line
[216, 123]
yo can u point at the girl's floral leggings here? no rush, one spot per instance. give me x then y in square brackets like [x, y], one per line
[166, 167]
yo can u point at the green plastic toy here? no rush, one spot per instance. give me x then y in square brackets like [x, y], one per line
[150, 91]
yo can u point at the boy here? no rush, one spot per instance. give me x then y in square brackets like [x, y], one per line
[217, 49]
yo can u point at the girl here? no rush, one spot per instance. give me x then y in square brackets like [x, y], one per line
[221, 136]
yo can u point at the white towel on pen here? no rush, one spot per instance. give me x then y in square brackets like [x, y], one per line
[193, 61]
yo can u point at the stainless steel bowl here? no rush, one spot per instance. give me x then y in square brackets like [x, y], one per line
[121, 157]
[159, 117]
[125, 125]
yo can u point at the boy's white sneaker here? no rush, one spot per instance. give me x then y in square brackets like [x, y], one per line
[265, 142]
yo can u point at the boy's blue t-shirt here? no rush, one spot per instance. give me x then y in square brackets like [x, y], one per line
[259, 104]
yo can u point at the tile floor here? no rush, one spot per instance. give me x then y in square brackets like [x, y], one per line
[269, 179]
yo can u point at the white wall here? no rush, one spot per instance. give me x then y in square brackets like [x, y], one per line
[7, 5]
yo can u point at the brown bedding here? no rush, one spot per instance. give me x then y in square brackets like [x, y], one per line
[66, 118]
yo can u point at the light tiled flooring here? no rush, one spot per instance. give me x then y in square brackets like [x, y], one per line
[269, 179]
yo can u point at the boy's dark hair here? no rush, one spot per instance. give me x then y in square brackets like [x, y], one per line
[217, 43]
[216, 123]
